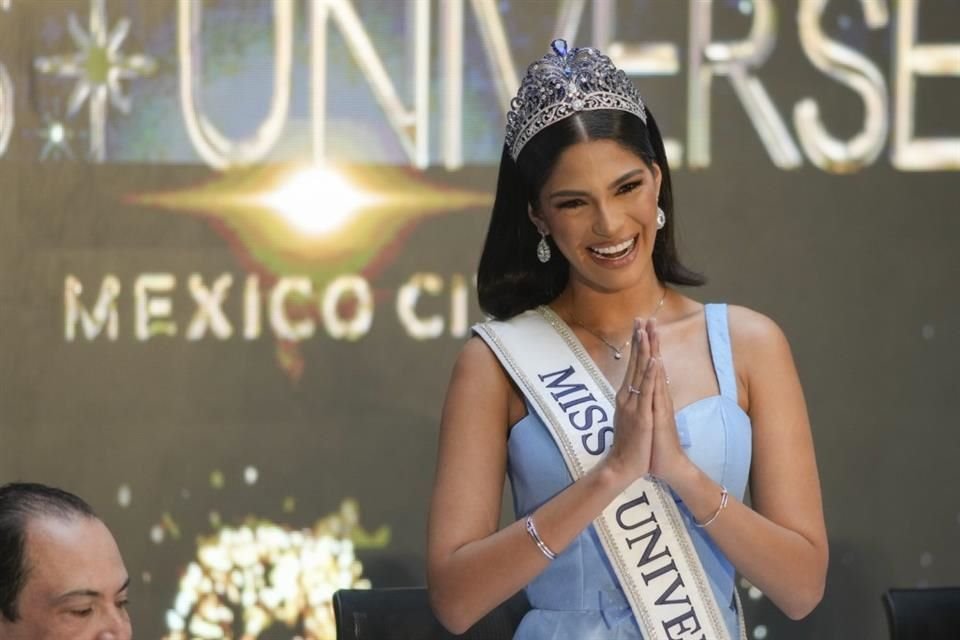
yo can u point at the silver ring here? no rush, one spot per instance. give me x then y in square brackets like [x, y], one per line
[633, 389]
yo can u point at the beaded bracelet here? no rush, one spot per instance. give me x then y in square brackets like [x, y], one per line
[532, 530]
[723, 505]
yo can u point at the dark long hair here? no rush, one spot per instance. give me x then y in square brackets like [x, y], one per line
[510, 279]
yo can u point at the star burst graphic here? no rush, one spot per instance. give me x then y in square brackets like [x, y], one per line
[98, 66]
[56, 135]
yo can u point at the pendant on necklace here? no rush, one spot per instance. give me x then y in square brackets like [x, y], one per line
[617, 355]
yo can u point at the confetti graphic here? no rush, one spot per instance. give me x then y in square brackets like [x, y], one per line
[247, 579]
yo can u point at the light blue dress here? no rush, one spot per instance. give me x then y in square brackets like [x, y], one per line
[578, 597]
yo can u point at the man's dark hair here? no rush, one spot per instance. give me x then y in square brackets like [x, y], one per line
[19, 502]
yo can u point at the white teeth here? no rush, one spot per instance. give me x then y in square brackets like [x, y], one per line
[615, 249]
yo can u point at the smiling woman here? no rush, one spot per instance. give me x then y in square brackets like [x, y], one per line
[630, 520]
[551, 177]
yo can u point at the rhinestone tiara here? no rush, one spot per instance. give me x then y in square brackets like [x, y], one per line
[563, 83]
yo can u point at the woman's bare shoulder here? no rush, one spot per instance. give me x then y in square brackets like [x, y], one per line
[761, 353]
[477, 373]
[479, 376]
[760, 347]
[753, 331]
[476, 359]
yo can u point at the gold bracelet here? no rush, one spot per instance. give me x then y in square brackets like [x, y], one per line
[723, 505]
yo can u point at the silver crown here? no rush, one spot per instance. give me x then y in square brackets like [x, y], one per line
[563, 83]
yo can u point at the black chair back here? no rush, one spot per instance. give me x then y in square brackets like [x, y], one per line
[923, 614]
[404, 613]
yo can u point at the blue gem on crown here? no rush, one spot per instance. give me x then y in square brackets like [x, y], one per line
[563, 83]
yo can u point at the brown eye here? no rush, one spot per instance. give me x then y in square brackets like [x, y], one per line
[627, 188]
[570, 204]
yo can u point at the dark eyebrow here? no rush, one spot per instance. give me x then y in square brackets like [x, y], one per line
[88, 593]
[615, 183]
[625, 177]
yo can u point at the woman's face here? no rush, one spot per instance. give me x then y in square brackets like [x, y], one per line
[600, 206]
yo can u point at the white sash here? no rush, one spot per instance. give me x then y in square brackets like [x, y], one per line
[641, 530]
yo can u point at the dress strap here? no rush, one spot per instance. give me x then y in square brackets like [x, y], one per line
[718, 334]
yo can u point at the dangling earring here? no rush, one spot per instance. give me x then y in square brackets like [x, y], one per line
[661, 218]
[543, 248]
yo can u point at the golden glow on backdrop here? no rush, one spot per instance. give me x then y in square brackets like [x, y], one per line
[316, 201]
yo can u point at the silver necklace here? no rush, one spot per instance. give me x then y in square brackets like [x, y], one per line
[618, 351]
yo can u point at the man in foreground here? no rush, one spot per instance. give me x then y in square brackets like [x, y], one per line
[61, 573]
